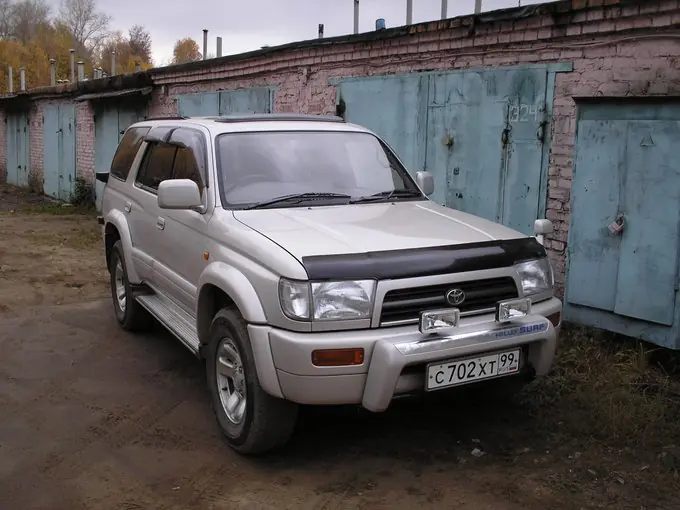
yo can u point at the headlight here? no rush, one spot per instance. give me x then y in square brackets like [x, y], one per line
[327, 301]
[536, 276]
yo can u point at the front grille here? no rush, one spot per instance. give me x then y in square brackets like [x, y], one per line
[404, 305]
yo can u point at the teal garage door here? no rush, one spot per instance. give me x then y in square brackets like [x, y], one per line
[226, 102]
[110, 122]
[17, 149]
[483, 134]
[59, 151]
[626, 172]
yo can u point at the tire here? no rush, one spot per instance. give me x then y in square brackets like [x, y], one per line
[130, 315]
[260, 424]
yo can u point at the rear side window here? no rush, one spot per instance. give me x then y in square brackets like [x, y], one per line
[126, 152]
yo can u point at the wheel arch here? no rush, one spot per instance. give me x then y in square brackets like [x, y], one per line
[116, 228]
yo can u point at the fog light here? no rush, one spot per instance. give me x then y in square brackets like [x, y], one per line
[337, 357]
[435, 321]
[513, 309]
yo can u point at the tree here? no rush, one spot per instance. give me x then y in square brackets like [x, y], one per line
[186, 50]
[27, 16]
[7, 19]
[140, 43]
[88, 26]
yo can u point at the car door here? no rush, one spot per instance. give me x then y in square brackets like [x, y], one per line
[184, 236]
[156, 166]
[122, 195]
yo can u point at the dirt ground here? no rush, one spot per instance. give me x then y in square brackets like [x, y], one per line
[92, 417]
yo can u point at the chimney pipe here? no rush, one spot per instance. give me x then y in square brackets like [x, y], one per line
[113, 63]
[478, 6]
[10, 79]
[219, 47]
[320, 30]
[380, 24]
[72, 64]
[205, 43]
[356, 16]
[138, 66]
[22, 79]
[81, 70]
[445, 9]
[409, 12]
[53, 72]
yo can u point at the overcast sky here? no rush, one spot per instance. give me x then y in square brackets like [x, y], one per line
[249, 24]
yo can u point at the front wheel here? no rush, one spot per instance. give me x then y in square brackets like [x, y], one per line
[252, 421]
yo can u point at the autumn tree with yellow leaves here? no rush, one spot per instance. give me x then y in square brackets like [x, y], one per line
[31, 34]
[186, 50]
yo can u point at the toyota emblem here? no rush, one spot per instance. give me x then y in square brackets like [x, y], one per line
[455, 297]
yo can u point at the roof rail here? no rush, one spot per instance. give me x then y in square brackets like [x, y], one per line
[173, 117]
[268, 117]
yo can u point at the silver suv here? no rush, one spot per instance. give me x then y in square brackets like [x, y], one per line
[297, 256]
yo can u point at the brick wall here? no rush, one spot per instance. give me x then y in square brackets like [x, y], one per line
[85, 141]
[617, 49]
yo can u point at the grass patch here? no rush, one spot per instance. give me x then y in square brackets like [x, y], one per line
[609, 388]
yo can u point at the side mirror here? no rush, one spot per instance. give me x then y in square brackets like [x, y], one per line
[541, 228]
[181, 194]
[102, 176]
[425, 182]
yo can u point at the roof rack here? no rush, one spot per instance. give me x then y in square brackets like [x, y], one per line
[268, 117]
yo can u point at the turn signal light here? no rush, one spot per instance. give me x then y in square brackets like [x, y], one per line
[337, 357]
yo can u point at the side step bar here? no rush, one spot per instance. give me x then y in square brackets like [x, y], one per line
[176, 320]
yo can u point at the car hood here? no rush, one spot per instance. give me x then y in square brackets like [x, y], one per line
[362, 228]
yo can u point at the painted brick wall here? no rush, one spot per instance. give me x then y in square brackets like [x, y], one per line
[617, 49]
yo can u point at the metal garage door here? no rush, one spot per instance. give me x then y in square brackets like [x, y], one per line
[110, 122]
[17, 149]
[481, 133]
[59, 151]
[225, 102]
[625, 167]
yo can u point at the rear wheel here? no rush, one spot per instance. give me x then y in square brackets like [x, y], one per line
[129, 313]
[252, 421]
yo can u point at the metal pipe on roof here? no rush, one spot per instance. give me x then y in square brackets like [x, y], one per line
[53, 72]
[320, 30]
[205, 43]
[445, 9]
[478, 6]
[113, 63]
[219, 47]
[409, 12]
[138, 67]
[22, 79]
[10, 79]
[72, 63]
[356, 16]
[81, 70]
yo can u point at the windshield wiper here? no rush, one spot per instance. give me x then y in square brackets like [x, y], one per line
[387, 195]
[296, 198]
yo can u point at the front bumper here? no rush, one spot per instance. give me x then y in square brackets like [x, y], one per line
[395, 358]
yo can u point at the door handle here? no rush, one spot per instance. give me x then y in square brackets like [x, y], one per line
[128, 206]
[160, 223]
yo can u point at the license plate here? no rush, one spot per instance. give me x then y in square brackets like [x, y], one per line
[466, 370]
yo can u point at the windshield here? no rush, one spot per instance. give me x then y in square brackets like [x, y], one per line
[331, 167]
